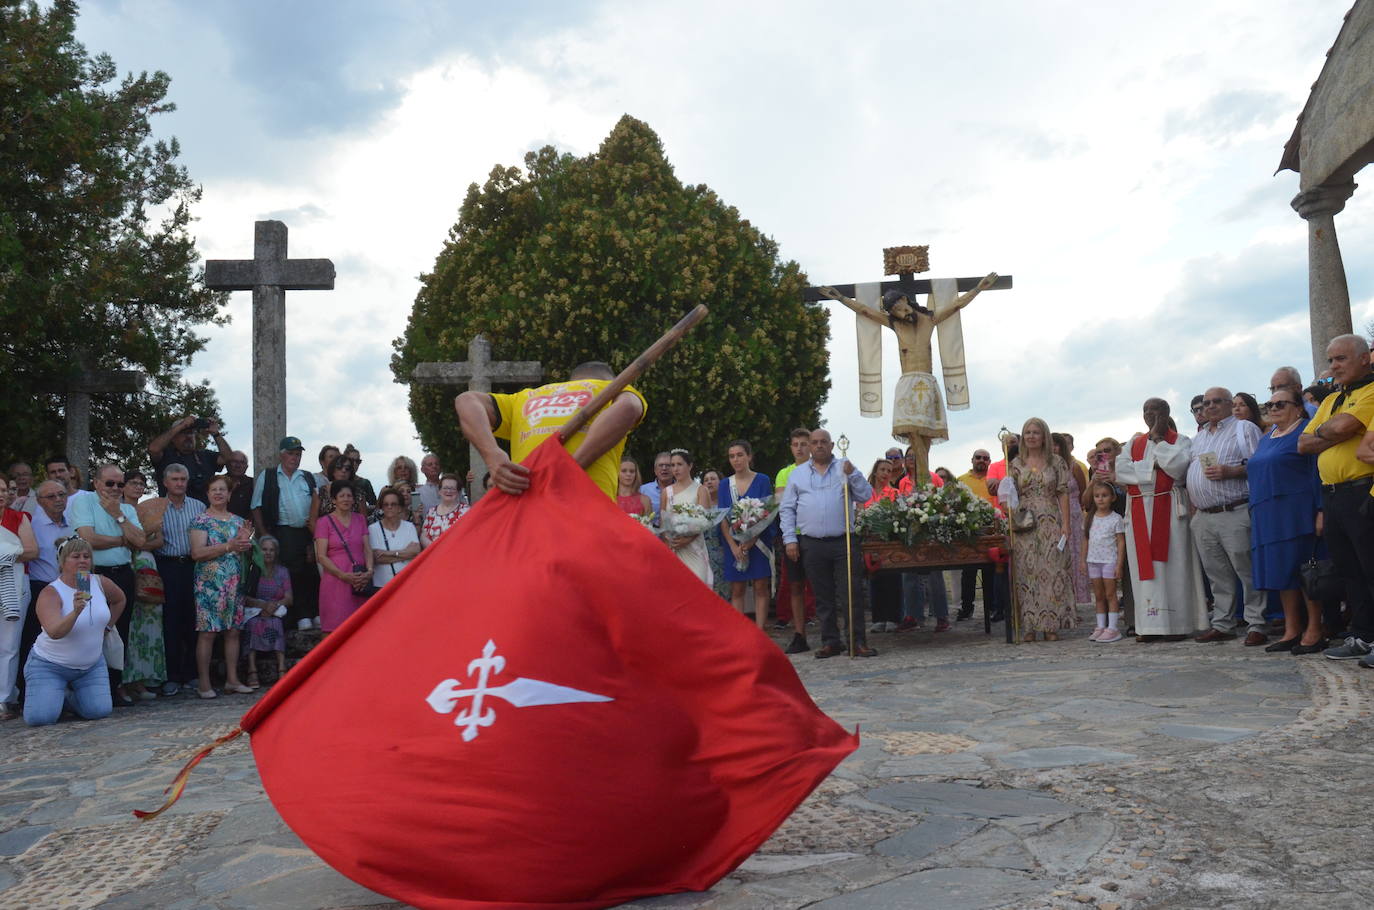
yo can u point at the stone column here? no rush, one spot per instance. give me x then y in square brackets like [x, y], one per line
[269, 349]
[1328, 295]
[479, 359]
[79, 431]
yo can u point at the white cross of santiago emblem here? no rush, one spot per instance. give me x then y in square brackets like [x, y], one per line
[520, 692]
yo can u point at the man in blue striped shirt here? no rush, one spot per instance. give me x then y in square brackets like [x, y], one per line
[814, 518]
[178, 578]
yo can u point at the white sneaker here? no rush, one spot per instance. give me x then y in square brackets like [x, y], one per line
[1097, 633]
[878, 627]
[304, 625]
[890, 627]
[316, 622]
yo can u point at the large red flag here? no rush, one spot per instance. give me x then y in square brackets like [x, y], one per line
[546, 709]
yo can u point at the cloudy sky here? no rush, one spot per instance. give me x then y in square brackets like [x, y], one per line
[1117, 161]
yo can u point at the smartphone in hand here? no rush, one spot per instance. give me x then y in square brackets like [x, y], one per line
[83, 581]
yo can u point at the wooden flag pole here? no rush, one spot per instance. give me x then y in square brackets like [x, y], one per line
[632, 372]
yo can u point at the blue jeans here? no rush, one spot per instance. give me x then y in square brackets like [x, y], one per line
[48, 686]
[917, 588]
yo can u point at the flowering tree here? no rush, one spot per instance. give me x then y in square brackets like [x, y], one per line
[593, 258]
[98, 269]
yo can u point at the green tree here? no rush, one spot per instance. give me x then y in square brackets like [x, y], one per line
[593, 258]
[97, 268]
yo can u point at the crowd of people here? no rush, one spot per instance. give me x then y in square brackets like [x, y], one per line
[135, 584]
[1258, 523]
[1259, 520]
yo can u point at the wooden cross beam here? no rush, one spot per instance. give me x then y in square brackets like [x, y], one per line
[78, 412]
[908, 283]
[269, 275]
[479, 371]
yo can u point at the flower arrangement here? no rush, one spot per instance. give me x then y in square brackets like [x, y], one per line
[689, 518]
[645, 519]
[947, 515]
[747, 519]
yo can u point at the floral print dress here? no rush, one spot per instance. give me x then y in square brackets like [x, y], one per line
[1040, 570]
[219, 597]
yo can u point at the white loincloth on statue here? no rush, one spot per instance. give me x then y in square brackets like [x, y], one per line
[917, 408]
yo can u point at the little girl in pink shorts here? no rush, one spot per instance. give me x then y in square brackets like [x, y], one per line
[1104, 559]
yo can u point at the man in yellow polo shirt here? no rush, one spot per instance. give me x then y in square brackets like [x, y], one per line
[1334, 436]
[977, 481]
[530, 416]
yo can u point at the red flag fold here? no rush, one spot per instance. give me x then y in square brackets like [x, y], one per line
[546, 709]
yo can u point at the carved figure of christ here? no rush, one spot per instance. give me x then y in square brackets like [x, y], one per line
[914, 325]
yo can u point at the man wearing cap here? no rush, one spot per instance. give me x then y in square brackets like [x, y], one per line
[284, 499]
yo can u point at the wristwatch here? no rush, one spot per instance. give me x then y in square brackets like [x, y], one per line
[120, 519]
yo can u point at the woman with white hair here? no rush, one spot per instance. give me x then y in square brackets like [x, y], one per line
[67, 663]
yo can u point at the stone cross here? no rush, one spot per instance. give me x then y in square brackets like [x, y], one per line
[269, 275]
[478, 371]
[79, 392]
[905, 262]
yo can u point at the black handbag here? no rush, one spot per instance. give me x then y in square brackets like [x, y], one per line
[1320, 581]
[369, 589]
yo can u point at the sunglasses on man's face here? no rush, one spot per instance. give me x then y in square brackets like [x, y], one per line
[114, 484]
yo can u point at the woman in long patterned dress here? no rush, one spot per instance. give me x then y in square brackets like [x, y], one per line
[1040, 567]
[690, 548]
[715, 550]
[145, 657]
[217, 538]
[273, 597]
[1082, 588]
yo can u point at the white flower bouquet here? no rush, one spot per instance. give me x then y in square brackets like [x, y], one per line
[689, 519]
[747, 519]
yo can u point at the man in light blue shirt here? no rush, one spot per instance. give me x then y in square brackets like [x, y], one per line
[284, 505]
[663, 477]
[112, 528]
[814, 516]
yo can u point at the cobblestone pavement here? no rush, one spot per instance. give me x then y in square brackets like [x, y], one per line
[1061, 774]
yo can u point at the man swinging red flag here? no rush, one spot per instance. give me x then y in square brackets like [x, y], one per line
[568, 718]
[546, 709]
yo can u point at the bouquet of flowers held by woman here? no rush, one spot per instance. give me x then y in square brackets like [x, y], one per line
[747, 519]
[689, 519]
[945, 514]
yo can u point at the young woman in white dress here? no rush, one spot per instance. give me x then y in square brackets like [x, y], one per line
[691, 549]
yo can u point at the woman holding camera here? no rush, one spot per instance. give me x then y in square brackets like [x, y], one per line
[69, 657]
[344, 557]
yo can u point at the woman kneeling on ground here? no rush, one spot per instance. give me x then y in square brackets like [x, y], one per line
[67, 663]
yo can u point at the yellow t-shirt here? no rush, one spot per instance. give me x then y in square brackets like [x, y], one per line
[530, 415]
[979, 486]
[1338, 463]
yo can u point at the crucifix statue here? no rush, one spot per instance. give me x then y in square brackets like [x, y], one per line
[918, 414]
[78, 410]
[269, 275]
[478, 371]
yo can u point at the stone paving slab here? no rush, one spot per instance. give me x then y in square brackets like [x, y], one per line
[1051, 775]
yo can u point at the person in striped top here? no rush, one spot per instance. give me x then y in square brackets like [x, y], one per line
[1220, 493]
